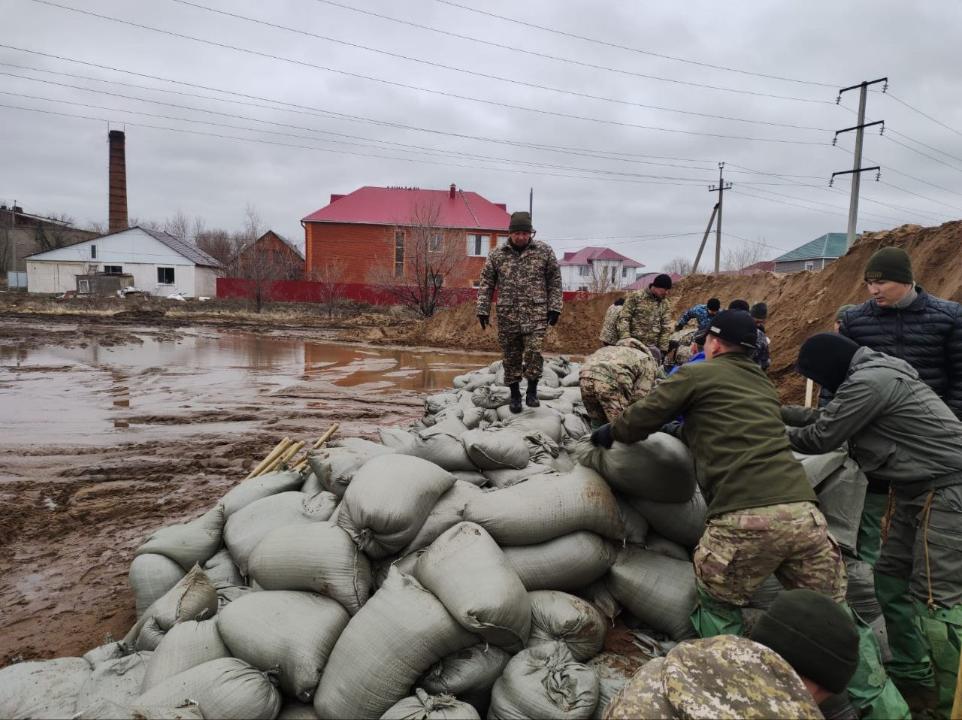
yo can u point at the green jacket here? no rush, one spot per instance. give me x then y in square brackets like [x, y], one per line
[898, 429]
[733, 428]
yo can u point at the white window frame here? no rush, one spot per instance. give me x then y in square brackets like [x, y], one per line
[435, 242]
[477, 245]
[584, 271]
[501, 241]
[810, 265]
[173, 272]
[83, 287]
[120, 270]
[93, 252]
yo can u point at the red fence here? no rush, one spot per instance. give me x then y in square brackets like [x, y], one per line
[307, 291]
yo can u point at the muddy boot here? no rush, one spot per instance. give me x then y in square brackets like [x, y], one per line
[515, 404]
[531, 395]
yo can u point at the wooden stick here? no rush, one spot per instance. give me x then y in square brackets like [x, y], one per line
[318, 444]
[809, 392]
[272, 455]
[287, 455]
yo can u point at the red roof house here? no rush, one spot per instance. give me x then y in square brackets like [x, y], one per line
[375, 233]
[597, 269]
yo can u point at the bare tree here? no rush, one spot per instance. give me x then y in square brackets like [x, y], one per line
[744, 255]
[424, 256]
[219, 244]
[253, 224]
[329, 277]
[680, 265]
[602, 278]
[178, 225]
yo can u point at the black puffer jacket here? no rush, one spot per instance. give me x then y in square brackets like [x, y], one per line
[927, 335]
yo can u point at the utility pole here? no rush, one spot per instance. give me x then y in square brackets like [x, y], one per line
[857, 169]
[720, 188]
[531, 203]
[704, 239]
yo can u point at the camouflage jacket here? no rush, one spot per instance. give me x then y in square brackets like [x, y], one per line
[721, 677]
[609, 326]
[629, 364]
[528, 284]
[646, 318]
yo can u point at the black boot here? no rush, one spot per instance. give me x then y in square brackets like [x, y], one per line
[531, 396]
[515, 404]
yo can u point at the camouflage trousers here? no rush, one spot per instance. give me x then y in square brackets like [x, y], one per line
[740, 549]
[604, 398]
[522, 353]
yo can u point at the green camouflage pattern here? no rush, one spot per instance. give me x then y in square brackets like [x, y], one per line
[646, 318]
[721, 677]
[739, 549]
[609, 326]
[615, 376]
[522, 354]
[528, 285]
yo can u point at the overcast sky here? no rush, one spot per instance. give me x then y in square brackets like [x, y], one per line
[310, 116]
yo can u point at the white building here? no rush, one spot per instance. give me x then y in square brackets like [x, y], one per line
[159, 263]
[597, 269]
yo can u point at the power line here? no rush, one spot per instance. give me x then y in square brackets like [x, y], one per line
[919, 142]
[547, 56]
[840, 209]
[925, 115]
[633, 49]
[923, 154]
[394, 83]
[890, 169]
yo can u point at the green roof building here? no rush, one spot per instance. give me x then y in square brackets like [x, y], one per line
[813, 255]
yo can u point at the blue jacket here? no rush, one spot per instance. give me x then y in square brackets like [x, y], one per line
[697, 312]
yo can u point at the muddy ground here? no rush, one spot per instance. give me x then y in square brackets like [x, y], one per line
[111, 427]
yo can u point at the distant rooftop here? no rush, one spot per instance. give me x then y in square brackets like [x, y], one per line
[587, 255]
[829, 245]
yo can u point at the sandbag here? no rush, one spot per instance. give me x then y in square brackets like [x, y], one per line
[222, 571]
[547, 507]
[290, 632]
[436, 403]
[560, 617]
[319, 557]
[186, 645]
[311, 485]
[295, 710]
[506, 477]
[188, 544]
[447, 512]
[193, 598]
[658, 590]
[664, 546]
[472, 477]
[258, 487]
[819, 467]
[549, 378]
[576, 426]
[566, 563]
[841, 498]
[248, 525]
[546, 392]
[470, 575]
[659, 468]
[491, 398]
[226, 688]
[442, 446]
[105, 653]
[538, 419]
[150, 576]
[572, 379]
[682, 523]
[388, 501]
[401, 632]
[544, 682]
[43, 689]
[477, 380]
[468, 674]
[335, 466]
[492, 449]
[560, 405]
[422, 706]
[613, 672]
[636, 525]
[598, 594]
[861, 595]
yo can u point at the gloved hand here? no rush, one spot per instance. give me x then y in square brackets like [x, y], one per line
[679, 326]
[672, 345]
[602, 437]
[798, 416]
[553, 316]
[483, 319]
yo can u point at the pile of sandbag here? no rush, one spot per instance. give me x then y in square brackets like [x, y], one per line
[468, 566]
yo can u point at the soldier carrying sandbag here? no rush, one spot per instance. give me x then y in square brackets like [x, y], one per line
[526, 275]
[615, 376]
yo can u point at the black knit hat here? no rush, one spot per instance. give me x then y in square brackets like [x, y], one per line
[826, 358]
[662, 281]
[759, 311]
[714, 304]
[520, 222]
[814, 634]
[736, 327]
[738, 305]
[889, 263]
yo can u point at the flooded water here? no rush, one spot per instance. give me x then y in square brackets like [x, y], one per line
[73, 394]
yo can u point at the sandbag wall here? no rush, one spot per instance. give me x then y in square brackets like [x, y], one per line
[470, 565]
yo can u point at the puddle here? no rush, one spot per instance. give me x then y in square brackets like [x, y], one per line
[67, 395]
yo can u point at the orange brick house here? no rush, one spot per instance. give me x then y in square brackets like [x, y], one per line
[284, 261]
[375, 233]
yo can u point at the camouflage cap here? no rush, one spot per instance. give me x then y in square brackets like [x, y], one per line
[721, 677]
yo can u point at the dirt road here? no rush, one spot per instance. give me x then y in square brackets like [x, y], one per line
[109, 430]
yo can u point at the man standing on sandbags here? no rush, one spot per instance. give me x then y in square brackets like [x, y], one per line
[614, 377]
[646, 315]
[904, 321]
[526, 275]
[762, 512]
[902, 434]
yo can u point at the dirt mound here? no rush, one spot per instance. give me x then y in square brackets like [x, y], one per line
[800, 304]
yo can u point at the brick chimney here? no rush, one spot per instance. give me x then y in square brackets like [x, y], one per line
[117, 205]
[453, 191]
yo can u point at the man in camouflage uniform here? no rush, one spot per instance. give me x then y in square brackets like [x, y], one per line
[526, 275]
[763, 353]
[646, 315]
[609, 326]
[762, 512]
[614, 377]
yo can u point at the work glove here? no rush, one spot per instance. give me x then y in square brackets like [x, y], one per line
[553, 316]
[483, 319]
[679, 326]
[602, 437]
